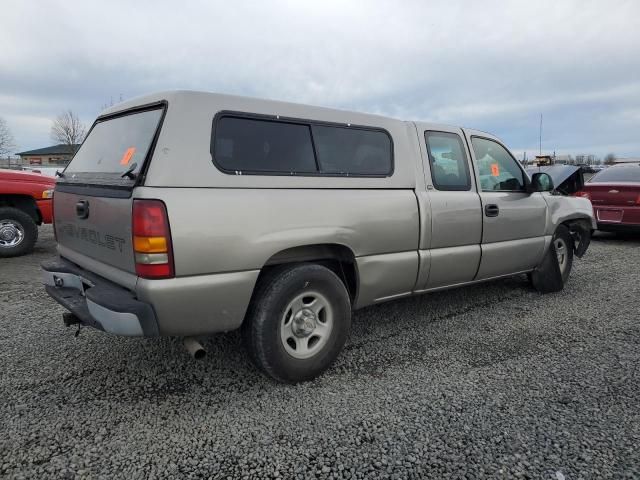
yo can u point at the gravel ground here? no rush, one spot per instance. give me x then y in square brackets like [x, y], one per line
[489, 381]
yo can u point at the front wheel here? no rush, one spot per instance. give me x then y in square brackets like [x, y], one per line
[553, 273]
[18, 232]
[298, 322]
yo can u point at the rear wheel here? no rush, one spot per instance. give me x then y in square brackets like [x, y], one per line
[553, 273]
[18, 232]
[298, 322]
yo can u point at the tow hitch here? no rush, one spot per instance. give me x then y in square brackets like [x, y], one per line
[70, 319]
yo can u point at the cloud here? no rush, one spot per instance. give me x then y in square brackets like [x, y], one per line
[490, 65]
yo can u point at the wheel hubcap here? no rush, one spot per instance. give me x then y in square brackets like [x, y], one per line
[561, 252]
[306, 325]
[11, 233]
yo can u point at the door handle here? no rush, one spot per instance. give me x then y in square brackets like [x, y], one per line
[491, 210]
[82, 209]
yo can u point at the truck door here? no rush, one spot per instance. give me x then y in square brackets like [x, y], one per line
[513, 221]
[450, 243]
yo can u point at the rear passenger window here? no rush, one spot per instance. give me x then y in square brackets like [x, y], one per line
[352, 150]
[243, 144]
[449, 165]
[290, 146]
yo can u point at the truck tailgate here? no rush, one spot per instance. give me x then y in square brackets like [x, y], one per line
[98, 227]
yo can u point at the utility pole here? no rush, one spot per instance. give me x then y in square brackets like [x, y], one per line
[540, 134]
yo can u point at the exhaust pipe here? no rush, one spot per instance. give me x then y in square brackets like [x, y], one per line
[194, 347]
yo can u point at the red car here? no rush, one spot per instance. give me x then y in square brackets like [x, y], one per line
[615, 196]
[25, 203]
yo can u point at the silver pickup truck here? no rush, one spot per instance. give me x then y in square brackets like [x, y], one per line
[187, 213]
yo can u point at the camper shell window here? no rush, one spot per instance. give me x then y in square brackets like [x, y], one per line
[253, 144]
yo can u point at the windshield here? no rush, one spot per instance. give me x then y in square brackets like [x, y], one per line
[629, 173]
[116, 145]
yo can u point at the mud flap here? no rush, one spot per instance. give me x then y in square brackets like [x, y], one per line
[547, 278]
[581, 235]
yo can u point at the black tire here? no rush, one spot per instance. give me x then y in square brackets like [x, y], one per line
[552, 274]
[270, 311]
[12, 220]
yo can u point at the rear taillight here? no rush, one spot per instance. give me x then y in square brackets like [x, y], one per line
[583, 194]
[152, 240]
[638, 199]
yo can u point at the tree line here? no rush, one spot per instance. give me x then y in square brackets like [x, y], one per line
[66, 129]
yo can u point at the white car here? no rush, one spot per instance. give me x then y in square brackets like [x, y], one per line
[48, 171]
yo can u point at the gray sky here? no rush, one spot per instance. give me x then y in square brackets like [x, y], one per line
[491, 65]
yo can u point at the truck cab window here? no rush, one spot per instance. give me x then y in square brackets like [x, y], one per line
[449, 165]
[498, 170]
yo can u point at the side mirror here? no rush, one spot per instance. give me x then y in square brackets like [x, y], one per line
[541, 182]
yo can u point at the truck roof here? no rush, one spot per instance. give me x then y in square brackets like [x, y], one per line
[275, 106]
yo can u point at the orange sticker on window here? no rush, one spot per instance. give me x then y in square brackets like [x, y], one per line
[495, 170]
[126, 158]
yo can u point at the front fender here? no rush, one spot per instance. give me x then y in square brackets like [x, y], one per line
[561, 209]
[577, 214]
[45, 206]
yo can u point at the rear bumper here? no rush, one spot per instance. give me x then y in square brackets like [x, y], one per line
[97, 302]
[616, 218]
[619, 227]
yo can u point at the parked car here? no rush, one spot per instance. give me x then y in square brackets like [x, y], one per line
[615, 195]
[25, 203]
[48, 171]
[188, 213]
[587, 168]
[567, 179]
